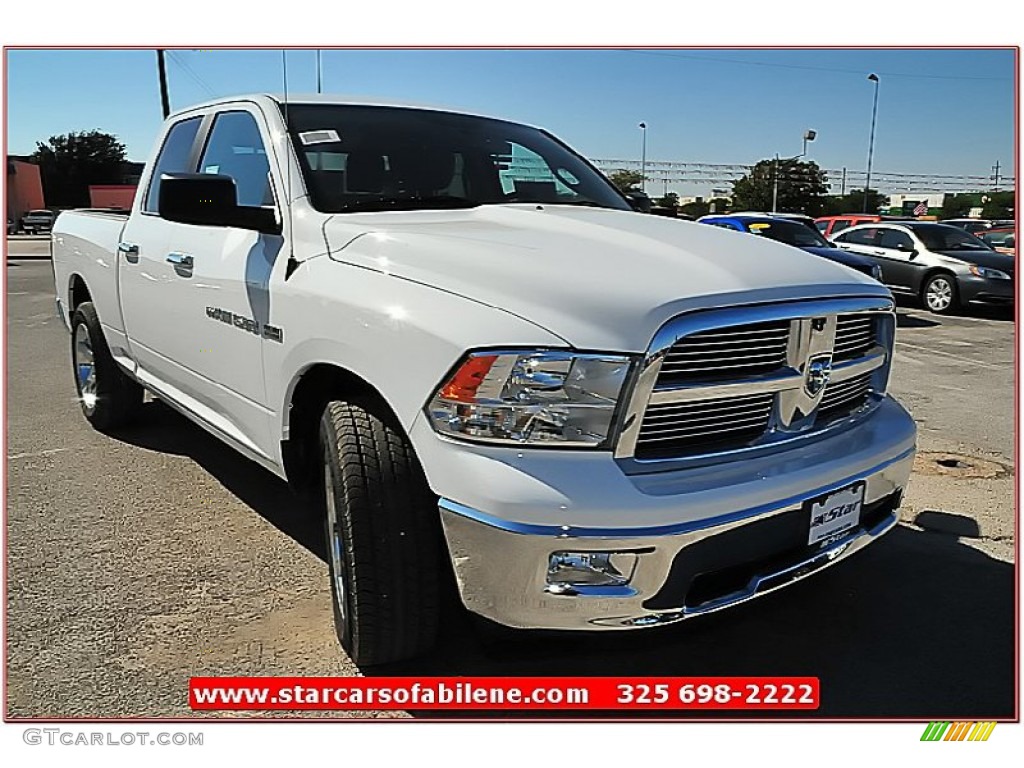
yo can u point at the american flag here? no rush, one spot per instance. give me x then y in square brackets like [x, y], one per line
[921, 209]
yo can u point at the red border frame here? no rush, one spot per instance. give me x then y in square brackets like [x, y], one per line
[355, 719]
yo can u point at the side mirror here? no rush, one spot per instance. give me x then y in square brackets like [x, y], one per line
[639, 201]
[208, 199]
[912, 253]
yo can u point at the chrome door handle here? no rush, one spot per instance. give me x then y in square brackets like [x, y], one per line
[180, 260]
[130, 251]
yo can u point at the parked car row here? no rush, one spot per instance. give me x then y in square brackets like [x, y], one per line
[946, 266]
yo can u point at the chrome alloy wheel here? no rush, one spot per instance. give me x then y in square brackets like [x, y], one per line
[85, 369]
[939, 294]
[335, 542]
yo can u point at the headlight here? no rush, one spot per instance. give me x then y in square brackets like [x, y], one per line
[995, 274]
[533, 398]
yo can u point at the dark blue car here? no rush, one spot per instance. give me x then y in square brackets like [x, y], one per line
[796, 234]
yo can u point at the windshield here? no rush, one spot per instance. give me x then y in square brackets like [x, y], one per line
[942, 237]
[790, 233]
[369, 158]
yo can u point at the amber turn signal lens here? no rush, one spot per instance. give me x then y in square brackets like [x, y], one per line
[463, 385]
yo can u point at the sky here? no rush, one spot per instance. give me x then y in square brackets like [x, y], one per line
[940, 111]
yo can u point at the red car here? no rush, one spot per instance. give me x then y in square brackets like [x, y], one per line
[1003, 239]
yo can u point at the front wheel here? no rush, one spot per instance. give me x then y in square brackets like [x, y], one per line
[109, 398]
[940, 295]
[383, 538]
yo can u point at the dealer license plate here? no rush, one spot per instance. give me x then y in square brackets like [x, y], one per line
[835, 513]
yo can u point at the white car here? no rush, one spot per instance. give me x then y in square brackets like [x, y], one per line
[457, 330]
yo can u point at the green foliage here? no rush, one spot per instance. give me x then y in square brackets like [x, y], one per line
[69, 163]
[704, 207]
[669, 200]
[959, 206]
[853, 202]
[801, 187]
[999, 205]
[626, 181]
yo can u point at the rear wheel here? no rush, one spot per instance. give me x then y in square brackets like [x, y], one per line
[109, 398]
[939, 294]
[383, 538]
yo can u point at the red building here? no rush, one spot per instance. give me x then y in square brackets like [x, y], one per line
[112, 195]
[24, 188]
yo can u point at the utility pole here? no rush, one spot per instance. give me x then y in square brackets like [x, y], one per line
[842, 190]
[995, 168]
[319, 78]
[161, 66]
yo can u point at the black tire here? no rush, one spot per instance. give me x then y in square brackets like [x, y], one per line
[939, 294]
[109, 398]
[383, 538]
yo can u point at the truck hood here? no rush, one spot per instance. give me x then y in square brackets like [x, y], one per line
[601, 279]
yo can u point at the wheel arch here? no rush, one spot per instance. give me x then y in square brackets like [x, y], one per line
[78, 292]
[307, 395]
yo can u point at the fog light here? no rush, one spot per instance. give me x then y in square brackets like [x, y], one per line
[589, 569]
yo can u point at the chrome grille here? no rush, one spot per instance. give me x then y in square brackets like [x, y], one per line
[855, 335]
[735, 351]
[703, 424]
[843, 397]
[721, 380]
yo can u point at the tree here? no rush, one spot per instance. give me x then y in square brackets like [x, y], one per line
[853, 202]
[668, 200]
[959, 206]
[801, 187]
[998, 205]
[69, 163]
[700, 208]
[626, 181]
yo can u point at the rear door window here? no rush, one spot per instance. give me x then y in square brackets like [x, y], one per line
[173, 158]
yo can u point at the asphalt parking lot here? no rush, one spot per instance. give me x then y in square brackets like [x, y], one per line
[137, 561]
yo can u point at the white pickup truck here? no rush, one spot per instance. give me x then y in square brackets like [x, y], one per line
[458, 333]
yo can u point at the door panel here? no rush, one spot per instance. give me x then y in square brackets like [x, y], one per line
[899, 262]
[200, 297]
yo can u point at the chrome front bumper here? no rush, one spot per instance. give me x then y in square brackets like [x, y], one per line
[502, 567]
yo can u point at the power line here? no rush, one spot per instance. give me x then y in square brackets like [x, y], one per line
[191, 73]
[728, 173]
[722, 60]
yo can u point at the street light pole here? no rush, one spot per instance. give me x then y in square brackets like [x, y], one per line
[775, 185]
[809, 135]
[871, 141]
[643, 157]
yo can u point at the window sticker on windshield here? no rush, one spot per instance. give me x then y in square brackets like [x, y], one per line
[566, 176]
[319, 137]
